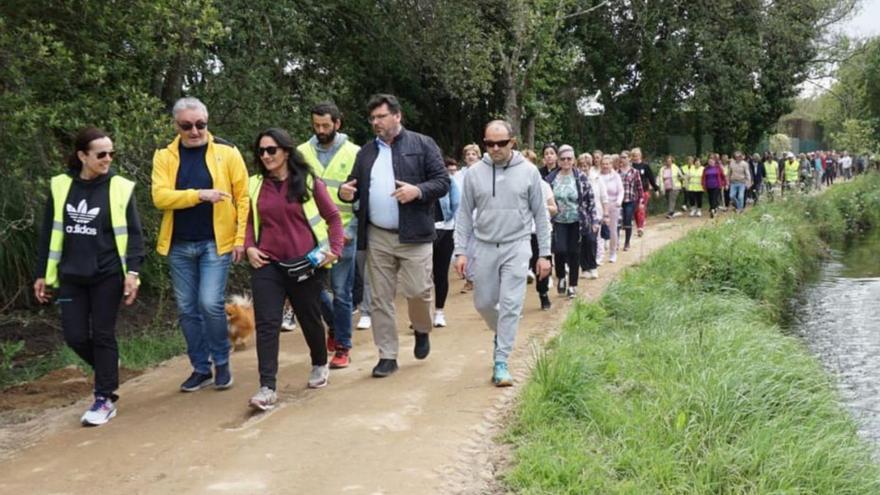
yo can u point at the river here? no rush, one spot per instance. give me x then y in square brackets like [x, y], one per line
[838, 316]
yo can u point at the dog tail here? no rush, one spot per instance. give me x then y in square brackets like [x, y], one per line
[241, 300]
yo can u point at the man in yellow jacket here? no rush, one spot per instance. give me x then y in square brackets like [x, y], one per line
[200, 184]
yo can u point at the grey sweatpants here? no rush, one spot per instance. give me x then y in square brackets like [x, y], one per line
[499, 289]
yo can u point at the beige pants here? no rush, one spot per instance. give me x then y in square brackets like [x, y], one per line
[386, 259]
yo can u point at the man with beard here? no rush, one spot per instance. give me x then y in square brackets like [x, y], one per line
[331, 156]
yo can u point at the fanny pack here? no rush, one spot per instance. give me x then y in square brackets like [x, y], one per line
[298, 269]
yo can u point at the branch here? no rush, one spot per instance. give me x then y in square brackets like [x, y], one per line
[586, 11]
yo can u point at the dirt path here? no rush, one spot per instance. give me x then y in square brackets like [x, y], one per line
[422, 430]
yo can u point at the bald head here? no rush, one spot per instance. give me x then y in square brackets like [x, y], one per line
[499, 141]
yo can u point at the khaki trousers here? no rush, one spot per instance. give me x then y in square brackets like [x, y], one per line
[388, 259]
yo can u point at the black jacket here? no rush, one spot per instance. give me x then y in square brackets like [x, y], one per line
[89, 251]
[416, 160]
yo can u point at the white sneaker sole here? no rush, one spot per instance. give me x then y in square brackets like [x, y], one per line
[261, 407]
[98, 422]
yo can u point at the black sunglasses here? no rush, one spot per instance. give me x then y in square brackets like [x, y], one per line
[491, 144]
[268, 149]
[104, 154]
[187, 126]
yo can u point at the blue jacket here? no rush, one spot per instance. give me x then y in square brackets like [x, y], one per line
[449, 203]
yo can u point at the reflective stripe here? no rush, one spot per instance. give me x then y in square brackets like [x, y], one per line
[120, 230]
[315, 220]
[56, 225]
[345, 207]
[332, 182]
[55, 255]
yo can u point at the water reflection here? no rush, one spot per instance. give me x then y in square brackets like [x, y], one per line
[839, 318]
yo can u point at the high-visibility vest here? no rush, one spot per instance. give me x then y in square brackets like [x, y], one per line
[334, 174]
[772, 169]
[310, 210]
[120, 194]
[792, 167]
[694, 177]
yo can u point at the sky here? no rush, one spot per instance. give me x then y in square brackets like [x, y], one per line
[867, 22]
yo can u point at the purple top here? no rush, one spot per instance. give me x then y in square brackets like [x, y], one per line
[284, 231]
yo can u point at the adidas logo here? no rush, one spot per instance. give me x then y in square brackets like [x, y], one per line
[82, 215]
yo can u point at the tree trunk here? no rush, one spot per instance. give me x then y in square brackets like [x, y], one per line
[511, 101]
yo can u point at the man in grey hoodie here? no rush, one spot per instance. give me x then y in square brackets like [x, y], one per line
[505, 191]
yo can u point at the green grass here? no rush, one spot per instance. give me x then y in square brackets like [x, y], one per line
[680, 381]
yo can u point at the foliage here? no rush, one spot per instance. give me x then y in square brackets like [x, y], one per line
[679, 380]
[857, 136]
[780, 143]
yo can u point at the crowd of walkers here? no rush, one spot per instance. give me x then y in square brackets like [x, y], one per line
[329, 228]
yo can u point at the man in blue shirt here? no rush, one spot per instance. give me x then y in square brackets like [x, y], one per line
[397, 178]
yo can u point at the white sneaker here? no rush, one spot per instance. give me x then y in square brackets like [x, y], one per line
[699, 213]
[102, 411]
[264, 399]
[594, 274]
[439, 318]
[364, 322]
[319, 376]
[585, 274]
[612, 258]
[530, 277]
[288, 322]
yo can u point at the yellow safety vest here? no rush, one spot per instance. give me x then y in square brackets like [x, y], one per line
[120, 193]
[791, 170]
[772, 170]
[310, 210]
[335, 174]
[694, 177]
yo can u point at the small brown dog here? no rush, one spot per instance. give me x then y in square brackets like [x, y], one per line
[240, 320]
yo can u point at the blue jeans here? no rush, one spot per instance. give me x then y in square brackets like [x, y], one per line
[199, 275]
[342, 283]
[737, 194]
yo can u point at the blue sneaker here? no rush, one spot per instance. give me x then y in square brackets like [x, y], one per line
[102, 411]
[222, 377]
[196, 381]
[501, 377]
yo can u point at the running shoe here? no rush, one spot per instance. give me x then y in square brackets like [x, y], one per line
[319, 376]
[102, 411]
[341, 359]
[196, 381]
[288, 321]
[439, 318]
[264, 399]
[364, 322]
[501, 376]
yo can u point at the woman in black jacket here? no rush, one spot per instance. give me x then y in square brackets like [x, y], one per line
[90, 250]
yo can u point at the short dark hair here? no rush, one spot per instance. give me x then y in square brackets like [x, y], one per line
[327, 108]
[83, 142]
[380, 99]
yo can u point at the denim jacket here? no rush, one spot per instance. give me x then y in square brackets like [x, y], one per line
[450, 201]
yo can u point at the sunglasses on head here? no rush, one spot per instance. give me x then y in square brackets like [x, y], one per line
[492, 144]
[268, 149]
[104, 154]
[187, 126]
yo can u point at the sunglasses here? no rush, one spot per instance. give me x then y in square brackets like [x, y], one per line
[187, 126]
[268, 149]
[104, 154]
[492, 144]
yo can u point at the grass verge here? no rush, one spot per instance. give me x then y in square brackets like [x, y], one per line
[679, 380]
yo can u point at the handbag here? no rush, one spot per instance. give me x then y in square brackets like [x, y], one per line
[605, 232]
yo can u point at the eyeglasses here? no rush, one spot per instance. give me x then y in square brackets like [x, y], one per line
[187, 126]
[104, 154]
[566, 158]
[268, 149]
[493, 144]
[373, 118]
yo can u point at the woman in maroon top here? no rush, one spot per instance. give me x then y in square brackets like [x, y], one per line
[284, 236]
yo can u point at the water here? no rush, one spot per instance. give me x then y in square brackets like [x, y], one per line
[838, 316]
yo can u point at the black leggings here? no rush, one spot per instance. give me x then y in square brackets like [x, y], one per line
[88, 319]
[270, 286]
[566, 250]
[714, 198]
[695, 199]
[443, 247]
[629, 209]
[542, 285]
[589, 245]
